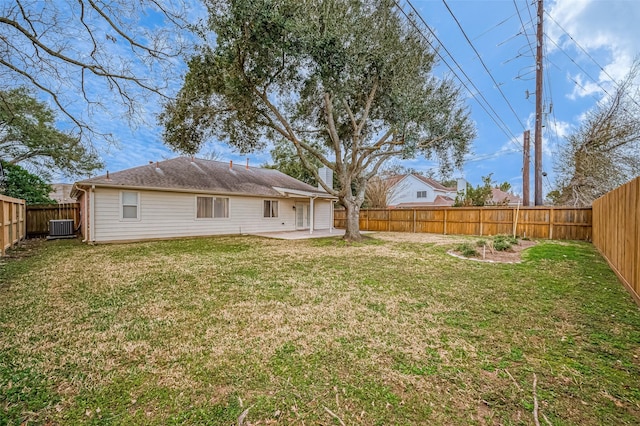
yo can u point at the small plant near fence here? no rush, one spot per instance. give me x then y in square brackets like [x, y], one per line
[481, 246]
[467, 250]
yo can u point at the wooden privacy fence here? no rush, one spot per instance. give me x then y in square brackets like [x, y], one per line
[558, 223]
[39, 215]
[616, 233]
[12, 222]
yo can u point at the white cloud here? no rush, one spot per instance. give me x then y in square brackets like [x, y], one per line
[607, 30]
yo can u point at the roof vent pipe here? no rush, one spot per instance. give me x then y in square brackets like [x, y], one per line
[157, 165]
[230, 164]
[247, 164]
[107, 174]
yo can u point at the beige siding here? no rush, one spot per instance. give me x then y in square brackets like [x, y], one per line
[322, 214]
[170, 215]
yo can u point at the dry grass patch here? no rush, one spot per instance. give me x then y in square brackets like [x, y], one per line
[389, 331]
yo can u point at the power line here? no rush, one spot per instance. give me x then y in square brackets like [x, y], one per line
[495, 117]
[579, 46]
[504, 21]
[524, 31]
[615, 83]
[578, 65]
[484, 65]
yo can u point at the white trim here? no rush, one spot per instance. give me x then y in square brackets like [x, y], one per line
[283, 191]
[92, 213]
[306, 194]
[311, 214]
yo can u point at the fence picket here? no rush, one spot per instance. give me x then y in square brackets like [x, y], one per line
[616, 233]
[561, 223]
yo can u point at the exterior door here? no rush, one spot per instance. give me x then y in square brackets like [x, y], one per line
[302, 216]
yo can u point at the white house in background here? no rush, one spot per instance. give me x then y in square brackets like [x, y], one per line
[414, 190]
[61, 193]
[188, 197]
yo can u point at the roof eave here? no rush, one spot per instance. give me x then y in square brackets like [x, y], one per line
[297, 192]
[162, 189]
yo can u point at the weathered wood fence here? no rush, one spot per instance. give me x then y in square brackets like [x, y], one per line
[616, 226]
[12, 222]
[39, 215]
[558, 223]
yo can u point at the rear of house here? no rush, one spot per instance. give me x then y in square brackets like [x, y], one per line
[188, 197]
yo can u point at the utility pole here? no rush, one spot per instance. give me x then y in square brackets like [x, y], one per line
[526, 180]
[538, 135]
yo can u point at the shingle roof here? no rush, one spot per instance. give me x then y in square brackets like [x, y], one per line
[393, 180]
[186, 173]
[499, 197]
[434, 184]
[439, 201]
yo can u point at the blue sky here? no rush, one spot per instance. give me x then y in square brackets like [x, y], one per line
[587, 43]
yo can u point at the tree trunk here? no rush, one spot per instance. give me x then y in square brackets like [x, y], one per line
[352, 233]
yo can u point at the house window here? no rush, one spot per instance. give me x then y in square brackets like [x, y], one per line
[422, 194]
[270, 208]
[211, 207]
[130, 205]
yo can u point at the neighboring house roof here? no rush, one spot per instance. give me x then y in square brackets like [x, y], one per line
[435, 185]
[195, 174]
[500, 197]
[393, 180]
[439, 201]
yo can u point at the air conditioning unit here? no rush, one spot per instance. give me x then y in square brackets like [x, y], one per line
[62, 228]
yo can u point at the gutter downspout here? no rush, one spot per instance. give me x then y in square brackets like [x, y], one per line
[86, 214]
[91, 215]
[331, 208]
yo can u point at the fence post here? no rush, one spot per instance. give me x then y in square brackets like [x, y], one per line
[2, 227]
[414, 221]
[551, 223]
[444, 230]
[481, 222]
[11, 208]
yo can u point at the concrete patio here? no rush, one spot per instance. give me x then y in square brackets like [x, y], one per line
[302, 234]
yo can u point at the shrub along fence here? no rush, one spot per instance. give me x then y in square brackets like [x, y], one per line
[39, 215]
[558, 223]
[616, 226]
[12, 222]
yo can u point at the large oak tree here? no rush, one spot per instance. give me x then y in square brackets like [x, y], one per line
[348, 83]
[93, 58]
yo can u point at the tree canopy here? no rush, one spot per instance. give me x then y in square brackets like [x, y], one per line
[347, 83]
[604, 151]
[28, 136]
[19, 183]
[285, 159]
[92, 58]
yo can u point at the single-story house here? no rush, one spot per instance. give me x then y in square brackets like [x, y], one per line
[188, 197]
[413, 190]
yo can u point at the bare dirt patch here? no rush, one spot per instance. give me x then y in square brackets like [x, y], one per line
[398, 237]
[513, 255]
[23, 249]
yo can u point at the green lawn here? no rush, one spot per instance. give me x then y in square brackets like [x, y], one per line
[314, 332]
